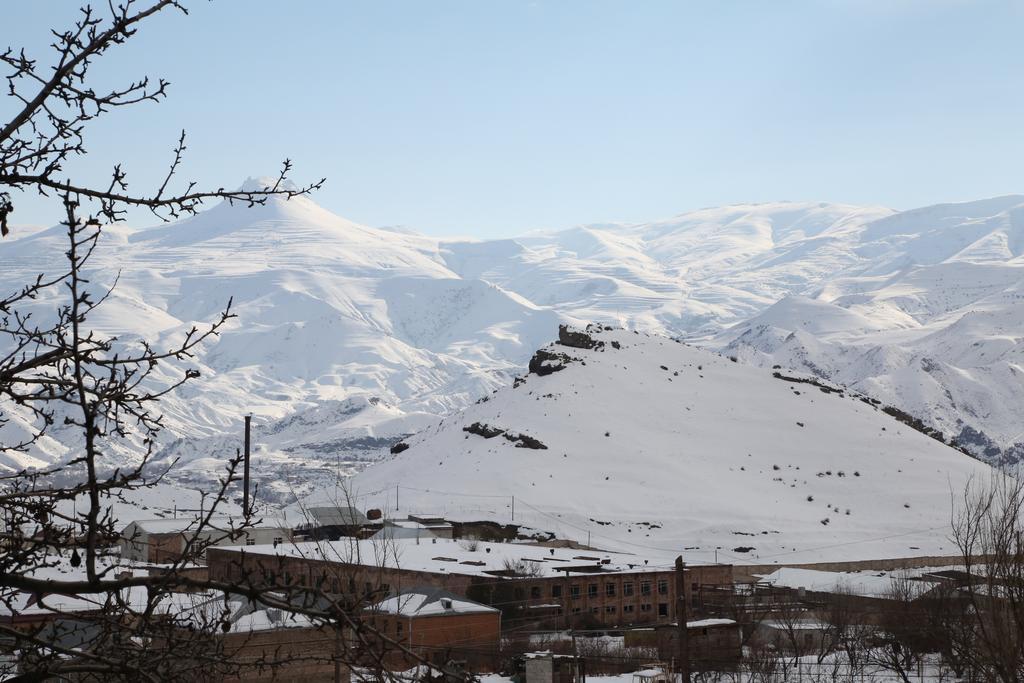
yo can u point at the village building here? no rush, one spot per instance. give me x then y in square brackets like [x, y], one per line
[437, 626]
[531, 585]
[713, 641]
[799, 636]
[299, 649]
[161, 541]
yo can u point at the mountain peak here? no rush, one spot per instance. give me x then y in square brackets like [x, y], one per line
[259, 183]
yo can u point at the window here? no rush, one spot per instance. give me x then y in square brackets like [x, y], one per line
[385, 588]
[662, 587]
[556, 591]
[535, 592]
[627, 588]
[594, 610]
[627, 609]
[609, 609]
[574, 591]
[398, 628]
[278, 539]
[645, 608]
[662, 609]
[609, 590]
[335, 585]
[575, 610]
[592, 590]
[808, 639]
[250, 541]
[645, 588]
[518, 593]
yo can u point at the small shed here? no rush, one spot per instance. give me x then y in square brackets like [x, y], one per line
[547, 667]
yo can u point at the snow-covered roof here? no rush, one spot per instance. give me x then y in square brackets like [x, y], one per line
[392, 532]
[428, 602]
[704, 623]
[417, 524]
[180, 524]
[338, 515]
[477, 558]
[867, 584]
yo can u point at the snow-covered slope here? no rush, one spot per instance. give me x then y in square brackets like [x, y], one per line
[334, 320]
[931, 320]
[650, 443]
[921, 308]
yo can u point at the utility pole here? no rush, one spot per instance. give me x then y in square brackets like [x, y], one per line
[245, 470]
[684, 641]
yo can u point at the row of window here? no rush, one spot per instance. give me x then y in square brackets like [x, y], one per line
[627, 609]
[610, 589]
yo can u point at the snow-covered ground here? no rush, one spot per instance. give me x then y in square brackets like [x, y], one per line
[655, 446]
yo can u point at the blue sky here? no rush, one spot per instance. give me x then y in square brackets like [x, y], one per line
[490, 118]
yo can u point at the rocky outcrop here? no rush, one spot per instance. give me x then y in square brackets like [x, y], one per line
[546, 362]
[520, 440]
[525, 441]
[484, 430]
[399, 447]
[577, 339]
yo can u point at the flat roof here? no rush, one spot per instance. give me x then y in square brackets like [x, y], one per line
[428, 602]
[180, 524]
[449, 556]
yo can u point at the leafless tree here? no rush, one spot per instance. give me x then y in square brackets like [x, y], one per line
[899, 642]
[72, 609]
[989, 532]
[844, 631]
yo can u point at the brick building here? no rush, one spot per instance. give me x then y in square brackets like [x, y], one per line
[437, 626]
[551, 587]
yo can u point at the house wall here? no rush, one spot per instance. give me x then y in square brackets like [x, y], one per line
[163, 548]
[539, 670]
[306, 654]
[718, 644]
[140, 546]
[475, 638]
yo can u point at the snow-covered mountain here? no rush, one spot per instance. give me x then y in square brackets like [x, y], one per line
[922, 309]
[644, 442]
[348, 338]
[356, 335]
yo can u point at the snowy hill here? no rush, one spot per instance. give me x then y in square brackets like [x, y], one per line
[349, 338]
[642, 442]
